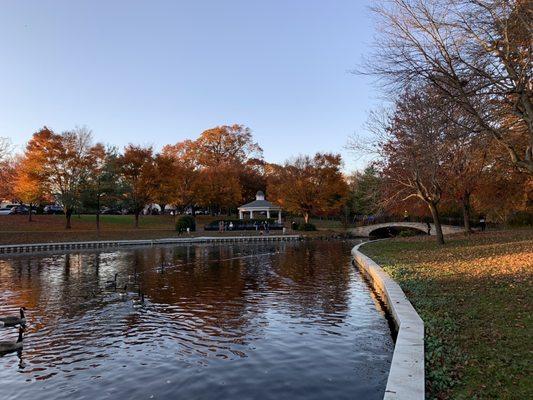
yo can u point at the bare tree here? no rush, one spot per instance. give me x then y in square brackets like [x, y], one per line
[6, 149]
[414, 153]
[477, 53]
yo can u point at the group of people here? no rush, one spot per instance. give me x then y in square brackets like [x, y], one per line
[224, 226]
[261, 226]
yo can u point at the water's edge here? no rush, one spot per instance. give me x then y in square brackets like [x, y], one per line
[406, 379]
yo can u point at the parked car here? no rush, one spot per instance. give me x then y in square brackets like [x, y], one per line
[6, 211]
[53, 209]
[22, 210]
[12, 209]
[111, 211]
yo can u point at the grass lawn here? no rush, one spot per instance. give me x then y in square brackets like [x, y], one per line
[15, 229]
[475, 297]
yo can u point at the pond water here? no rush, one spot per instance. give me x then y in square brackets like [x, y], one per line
[250, 321]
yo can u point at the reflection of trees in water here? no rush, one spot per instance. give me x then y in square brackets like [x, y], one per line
[205, 290]
[321, 275]
[197, 284]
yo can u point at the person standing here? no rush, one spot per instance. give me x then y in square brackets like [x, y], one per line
[482, 223]
[429, 227]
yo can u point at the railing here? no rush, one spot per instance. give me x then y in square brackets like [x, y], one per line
[364, 220]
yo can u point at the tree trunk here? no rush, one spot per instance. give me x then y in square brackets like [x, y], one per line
[68, 215]
[466, 212]
[29, 214]
[97, 215]
[137, 219]
[436, 220]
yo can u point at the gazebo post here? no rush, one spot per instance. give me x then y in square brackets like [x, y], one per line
[259, 205]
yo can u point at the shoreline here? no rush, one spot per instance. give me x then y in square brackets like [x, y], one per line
[406, 378]
[33, 248]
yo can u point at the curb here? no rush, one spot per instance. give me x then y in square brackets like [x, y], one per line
[406, 379]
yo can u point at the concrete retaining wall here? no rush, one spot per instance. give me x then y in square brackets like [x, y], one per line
[406, 376]
[38, 247]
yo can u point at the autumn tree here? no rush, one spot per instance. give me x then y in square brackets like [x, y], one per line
[500, 193]
[308, 185]
[164, 180]
[219, 169]
[226, 145]
[476, 53]
[186, 174]
[64, 161]
[252, 178]
[227, 156]
[28, 187]
[414, 152]
[466, 159]
[219, 189]
[137, 170]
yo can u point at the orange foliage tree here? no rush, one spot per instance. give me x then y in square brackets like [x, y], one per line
[137, 170]
[164, 181]
[28, 186]
[308, 185]
[217, 170]
[64, 161]
[185, 173]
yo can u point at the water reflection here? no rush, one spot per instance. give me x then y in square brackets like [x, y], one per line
[247, 321]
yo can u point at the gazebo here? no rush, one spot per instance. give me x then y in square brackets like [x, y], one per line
[259, 205]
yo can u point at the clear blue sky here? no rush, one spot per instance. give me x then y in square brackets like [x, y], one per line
[158, 72]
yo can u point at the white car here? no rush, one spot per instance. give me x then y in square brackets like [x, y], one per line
[6, 211]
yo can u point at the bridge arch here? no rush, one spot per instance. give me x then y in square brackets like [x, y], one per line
[387, 231]
[365, 231]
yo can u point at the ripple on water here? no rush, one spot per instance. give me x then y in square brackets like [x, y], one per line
[266, 321]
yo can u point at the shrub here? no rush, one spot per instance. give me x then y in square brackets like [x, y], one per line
[184, 222]
[306, 227]
[520, 218]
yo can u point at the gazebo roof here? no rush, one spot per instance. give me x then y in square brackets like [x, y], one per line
[260, 202]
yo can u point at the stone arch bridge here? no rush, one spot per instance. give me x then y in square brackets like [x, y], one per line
[365, 231]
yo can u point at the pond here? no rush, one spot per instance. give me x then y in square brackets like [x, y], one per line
[248, 321]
